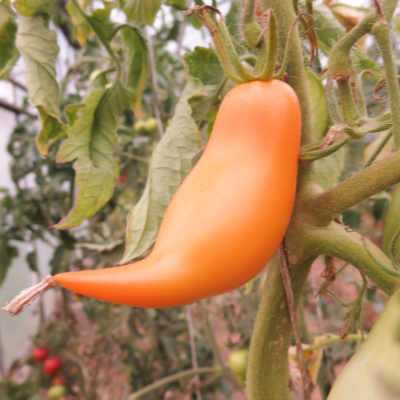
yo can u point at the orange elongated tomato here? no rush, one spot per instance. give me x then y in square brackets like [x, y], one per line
[229, 215]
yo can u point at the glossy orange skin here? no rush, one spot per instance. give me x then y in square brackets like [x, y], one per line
[229, 215]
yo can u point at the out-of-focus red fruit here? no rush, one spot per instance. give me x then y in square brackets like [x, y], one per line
[52, 365]
[59, 380]
[40, 353]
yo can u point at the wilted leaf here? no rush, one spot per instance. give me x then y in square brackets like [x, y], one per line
[91, 140]
[38, 45]
[373, 373]
[143, 11]
[178, 4]
[348, 15]
[29, 8]
[8, 30]
[170, 163]
[82, 29]
[135, 68]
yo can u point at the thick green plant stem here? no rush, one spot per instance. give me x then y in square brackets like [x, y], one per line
[340, 68]
[285, 14]
[347, 102]
[350, 246]
[339, 59]
[384, 40]
[351, 191]
[388, 9]
[268, 368]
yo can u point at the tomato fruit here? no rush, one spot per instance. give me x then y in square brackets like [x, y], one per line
[40, 353]
[238, 362]
[229, 215]
[56, 392]
[150, 125]
[52, 365]
[59, 380]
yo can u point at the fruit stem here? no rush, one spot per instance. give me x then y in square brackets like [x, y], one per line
[26, 297]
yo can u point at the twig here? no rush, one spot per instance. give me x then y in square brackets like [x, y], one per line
[331, 339]
[215, 348]
[165, 381]
[154, 84]
[15, 109]
[287, 284]
[17, 84]
[193, 351]
[2, 369]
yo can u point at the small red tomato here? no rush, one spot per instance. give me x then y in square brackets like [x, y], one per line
[122, 179]
[52, 365]
[40, 353]
[59, 380]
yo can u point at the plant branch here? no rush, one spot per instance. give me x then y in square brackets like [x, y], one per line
[287, 284]
[384, 40]
[154, 84]
[331, 339]
[271, 335]
[193, 350]
[172, 378]
[388, 8]
[350, 246]
[285, 14]
[17, 84]
[15, 109]
[369, 181]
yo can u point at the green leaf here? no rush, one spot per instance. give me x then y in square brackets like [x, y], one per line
[170, 163]
[101, 23]
[135, 68]
[5, 71]
[327, 27]
[28, 8]
[328, 169]
[8, 30]
[203, 64]
[38, 46]
[91, 140]
[178, 4]
[373, 372]
[143, 11]
[319, 106]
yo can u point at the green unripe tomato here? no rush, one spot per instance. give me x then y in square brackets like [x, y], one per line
[56, 392]
[238, 363]
[150, 125]
[139, 125]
